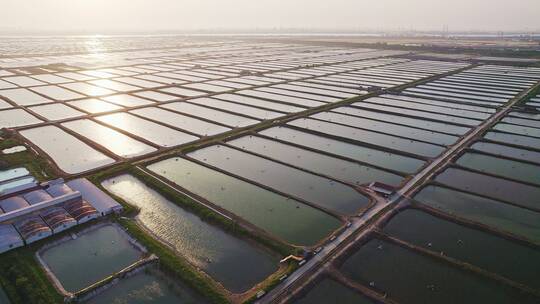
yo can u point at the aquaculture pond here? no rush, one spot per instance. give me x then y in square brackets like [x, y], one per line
[321, 191]
[507, 151]
[68, 152]
[114, 141]
[503, 167]
[226, 258]
[151, 131]
[388, 128]
[317, 162]
[94, 255]
[413, 122]
[286, 218]
[330, 291]
[371, 137]
[514, 261]
[514, 139]
[360, 153]
[183, 122]
[225, 118]
[148, 286]
[408, 277]
[505, 217]
[493, 187]
[16, 118]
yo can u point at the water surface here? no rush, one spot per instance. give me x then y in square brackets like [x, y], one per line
[226, 258]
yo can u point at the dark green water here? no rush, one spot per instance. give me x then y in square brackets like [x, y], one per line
[149, 286]
[498, 188]
[364, 154]
[316, 162]
[511, 260]
[378, 139]
[505, 217]
[519, 140]
[91, 257]
[286, 218]
[503, 167]
[226, 258]
[330, 291]
[321, 191]
[408, 277]
[503, 150]
[3, 297]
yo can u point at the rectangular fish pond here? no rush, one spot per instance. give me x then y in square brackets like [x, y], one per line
[286, 218]
[90, 256]
[147, 286]
[390, 269]
[228, 259]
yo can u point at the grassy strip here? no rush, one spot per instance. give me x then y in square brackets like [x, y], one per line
[38, 166]
[23, 279]
[169, 260]
[174, 266]
[209, 215]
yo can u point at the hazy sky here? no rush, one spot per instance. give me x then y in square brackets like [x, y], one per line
[150, 15]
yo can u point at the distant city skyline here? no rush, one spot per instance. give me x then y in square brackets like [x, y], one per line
[102, 16]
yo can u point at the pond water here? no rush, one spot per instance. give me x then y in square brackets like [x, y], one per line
[184, 122]
[282, 92]
[408, 277]
[413, 122]
[330, 291]
[88, 89]
[151, 131]
[56, 111]
[416, 113]
[13, 173]
[514, 261]
[17, 118]
[114, 141]
[282, 98]
[57, 93]
[125, 100]
[23, 97]
[514, 139]
[388, 128]
[94, 105]
[226, 258]
[237, 108]
[211, 114]
[259, 103]
[286, 218]
[321, 191]
[364, 154]
[69, 153]
[503, 150]
[148, 286]
[91, 257]
[316, 162]
[508, 218]
[520, 130]
[490, 186]
[383, 140]
[503, 167]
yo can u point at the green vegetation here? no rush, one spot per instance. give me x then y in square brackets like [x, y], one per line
[174, 266]
[170, 262]
[23, 279]
[38, 166]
